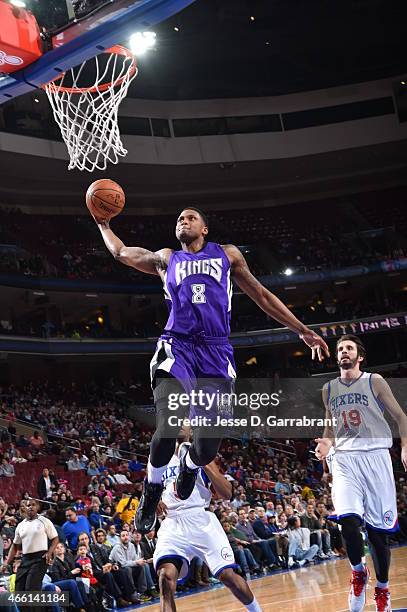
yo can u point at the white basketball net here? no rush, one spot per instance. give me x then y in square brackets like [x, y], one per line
[88, 116]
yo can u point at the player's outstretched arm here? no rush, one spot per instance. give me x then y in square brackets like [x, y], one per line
[385, 395]
[136, 257]
[271, 304]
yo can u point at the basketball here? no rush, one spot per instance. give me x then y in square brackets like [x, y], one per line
[105, 199]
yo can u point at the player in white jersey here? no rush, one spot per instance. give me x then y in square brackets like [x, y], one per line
[190, 531]
[363, 487]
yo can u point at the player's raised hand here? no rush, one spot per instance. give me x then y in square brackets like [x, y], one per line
[100, 221]
[317, 344]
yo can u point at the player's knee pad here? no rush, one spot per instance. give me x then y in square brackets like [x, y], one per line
[379, 542]
[165, 388]
[166, 392]
[353, 538]
[380, 549]
[378, 538]
[203, 450]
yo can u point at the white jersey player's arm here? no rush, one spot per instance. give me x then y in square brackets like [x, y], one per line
[325, 443]
[222, 487]
[136, 257]
[384, 394]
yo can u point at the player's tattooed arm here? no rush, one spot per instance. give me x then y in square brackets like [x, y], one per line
[325, 443]
[136, 257]
[385, 395]
[271, 304]
[221, 486]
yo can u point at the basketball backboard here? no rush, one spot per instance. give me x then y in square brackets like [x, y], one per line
[84, 37]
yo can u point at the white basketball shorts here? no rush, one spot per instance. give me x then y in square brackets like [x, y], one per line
[194, 533]
[363, 485]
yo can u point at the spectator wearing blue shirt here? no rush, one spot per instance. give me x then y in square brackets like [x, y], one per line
[268, 547]
[92, 469]
[75, 463]
[112, 537]
[79, 505]
[266, 529]
[95, 518]
[261, 526]
[73, 526]
[273, 525]
[281, 488]
[51, 514]
[270, 510]
[135, 466]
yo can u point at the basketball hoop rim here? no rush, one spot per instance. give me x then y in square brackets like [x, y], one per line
[115, 50]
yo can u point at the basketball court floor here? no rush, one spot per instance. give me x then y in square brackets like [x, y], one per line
[322, 587]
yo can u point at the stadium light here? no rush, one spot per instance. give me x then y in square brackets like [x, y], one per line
[251, 361]
[140, 42]
[288, 271]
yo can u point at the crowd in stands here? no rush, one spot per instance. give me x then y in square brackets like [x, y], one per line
[148, 320]
[90, 470]
[298, 236]
[68, 413]
[43, 327]
[360, 229]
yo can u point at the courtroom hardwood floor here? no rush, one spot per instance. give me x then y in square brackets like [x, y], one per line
[319, 588]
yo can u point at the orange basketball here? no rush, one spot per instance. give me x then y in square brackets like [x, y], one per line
[105, 199]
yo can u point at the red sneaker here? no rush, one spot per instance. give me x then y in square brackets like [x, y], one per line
[382, 599]
[357, 592]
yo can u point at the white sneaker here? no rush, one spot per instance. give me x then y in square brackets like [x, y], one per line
[290, 562]
[382, 600]
[301, 563]
[357, 592]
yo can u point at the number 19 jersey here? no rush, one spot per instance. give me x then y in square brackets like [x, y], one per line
[198, 292]
[359, 421]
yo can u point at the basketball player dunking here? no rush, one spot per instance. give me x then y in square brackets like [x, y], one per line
[194, 347]
[189, 531]
[363, 489]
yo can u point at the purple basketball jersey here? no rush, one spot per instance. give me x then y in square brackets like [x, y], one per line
[198, 291]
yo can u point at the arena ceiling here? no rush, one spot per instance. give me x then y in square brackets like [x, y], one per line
[243, 48]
